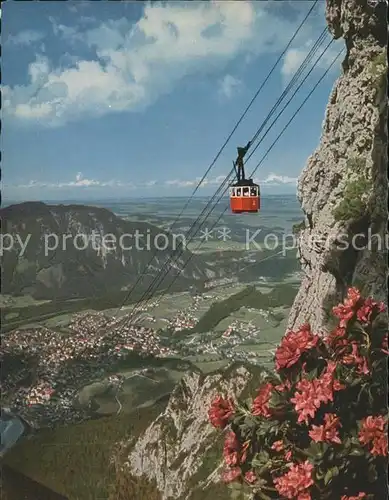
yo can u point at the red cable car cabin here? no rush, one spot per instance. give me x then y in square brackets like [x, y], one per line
[245, 197]
[244, 194]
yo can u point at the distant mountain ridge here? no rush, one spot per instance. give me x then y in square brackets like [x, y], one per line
[66, 272]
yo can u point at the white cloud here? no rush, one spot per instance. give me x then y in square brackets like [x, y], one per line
[80, 182]
[136, 63]
[61, 31]
[26, 37]
[216, 181]
[292, 60]
[228, 86]
[274, 179]
[271, 180]
[179, 183]
[295, 56]
[86, 19]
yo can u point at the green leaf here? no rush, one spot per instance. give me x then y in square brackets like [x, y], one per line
[256, 463]
[347, 443]
[249, 402]
[372, 473]
[315, 450]
[262, 495]
[335, 471]
[249, 421]
[356, 452]
[277, 399]
[313, 374]
[327, 477]
[353, 381]
[331, 474]
[263, 456]
[236, 486]
[239, 419]
[237, 494]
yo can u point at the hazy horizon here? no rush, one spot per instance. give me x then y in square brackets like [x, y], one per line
[83, 201]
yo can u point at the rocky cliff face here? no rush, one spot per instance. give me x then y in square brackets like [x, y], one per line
[343, 188]
[58, 251]
[180, 452]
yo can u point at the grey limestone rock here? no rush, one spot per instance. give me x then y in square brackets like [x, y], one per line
[352, 152]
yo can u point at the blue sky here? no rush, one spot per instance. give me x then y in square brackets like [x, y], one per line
[115, 99]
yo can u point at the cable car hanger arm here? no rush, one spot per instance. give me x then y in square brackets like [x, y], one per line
[234, 167]
[240, 173]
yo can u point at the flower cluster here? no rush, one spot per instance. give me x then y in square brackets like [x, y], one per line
[261, 402]
[296, 482]
[310, 395]
[317, 428]
[221, 412]
[294, 345]
[328, 432]
[235, 455]
[373, 434]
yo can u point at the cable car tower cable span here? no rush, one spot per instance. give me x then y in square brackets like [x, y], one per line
[271, 146]
[245, 194]
[292, 82]
[221, 187]
[308, 57]
[222, 149]
[226, 181]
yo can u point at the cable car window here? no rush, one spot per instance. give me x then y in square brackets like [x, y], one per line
[253, 191]
[233, 192]
[238, 192]
[246, 191]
